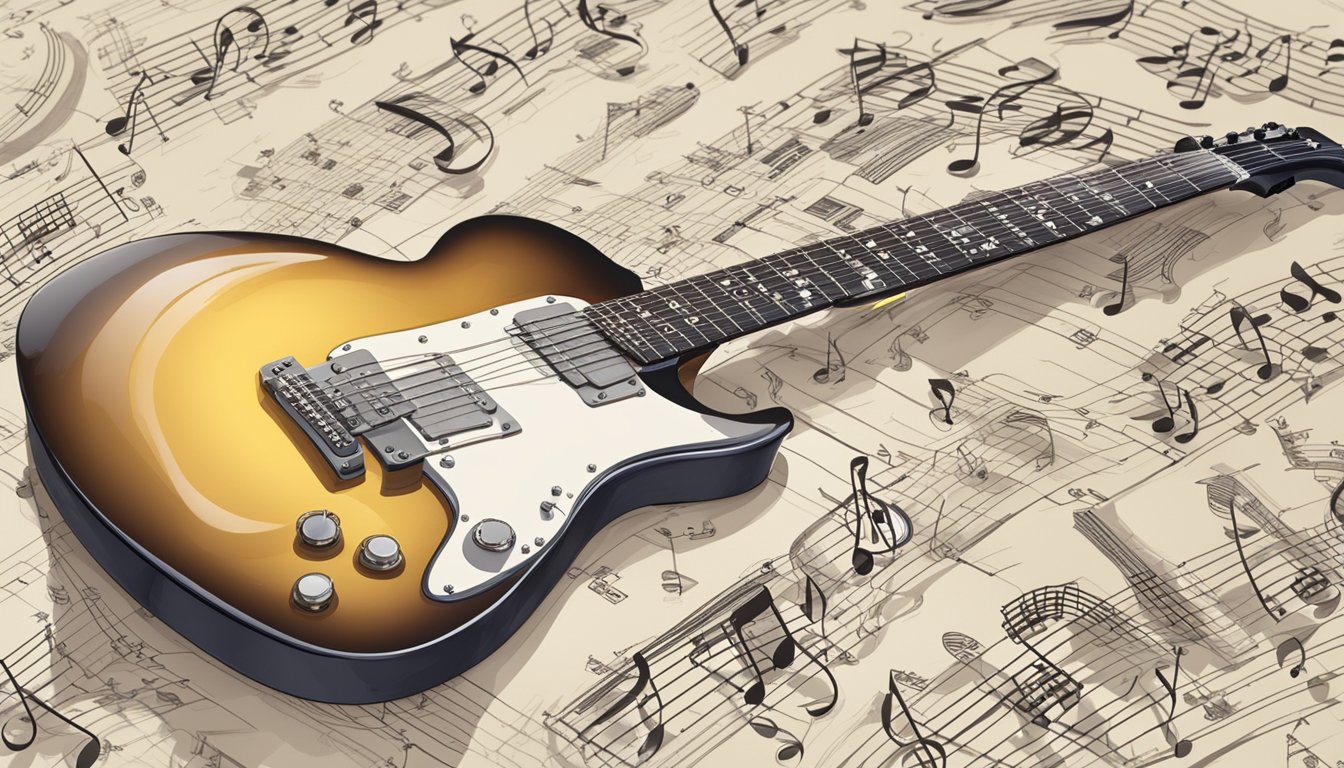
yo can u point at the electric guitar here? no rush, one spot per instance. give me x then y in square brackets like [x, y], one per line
[351, 479]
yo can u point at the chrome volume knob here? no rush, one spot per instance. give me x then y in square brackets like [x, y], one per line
[313, 592]
[319, 528]
[380, 553]
[493, 535]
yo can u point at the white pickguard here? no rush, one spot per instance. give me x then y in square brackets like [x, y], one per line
[562, 442]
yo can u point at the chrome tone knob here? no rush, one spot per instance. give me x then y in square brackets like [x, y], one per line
[493, 535]
[380, 553]
[319, 528]
[313, 592]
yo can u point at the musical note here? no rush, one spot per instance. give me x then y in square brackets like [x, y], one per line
[601, 25]
[444, 159]
[1299, 304]
[945, 393]
[225, 38]
[823, 374]
[1180, 747]
[1240, 314]
[365, 12]
[739, 49]
[888, 525]
[815, 609]
[1286, 648]
[928, 753]
[1065, 125]
[1203, 73]
[1112, 310]
[1279, 44]
[860, 70]
[538, 48]
[1272, 607]
[644, 679]
[117, 125]
[1007, 97]
[792, 747]
[1334, 54]
[783, 654]
[460, 47]
[92, 749]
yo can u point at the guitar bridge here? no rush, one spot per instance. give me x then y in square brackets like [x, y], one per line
[404, 411]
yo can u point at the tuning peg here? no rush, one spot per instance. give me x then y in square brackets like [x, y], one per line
[1232, 137]
[1206, 142]
[1259, 134]
[1271, 126]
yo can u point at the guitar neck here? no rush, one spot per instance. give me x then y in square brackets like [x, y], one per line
[698, 312]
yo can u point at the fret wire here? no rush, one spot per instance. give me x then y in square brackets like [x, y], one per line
[883, 254]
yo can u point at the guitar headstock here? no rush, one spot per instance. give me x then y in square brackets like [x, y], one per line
[1273, 157]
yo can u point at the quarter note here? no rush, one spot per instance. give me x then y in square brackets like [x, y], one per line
[861, 69]
[1180, 747]
[539, 48]
[825, 373]
[1239, 315]
[1111, 310]
[740, 49]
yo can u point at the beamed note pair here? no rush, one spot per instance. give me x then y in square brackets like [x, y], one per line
[351, 479]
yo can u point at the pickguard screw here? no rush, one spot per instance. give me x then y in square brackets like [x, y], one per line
[403, 455]
[538, 541]
[465, 518]
[525, 549]
[448, 588]
[640, 393]
[423, 339]
[555, 490]
[387, 449]
[506, 426]
[447, 462]
[466, 323]
[494, 311]
[601, 395]
[345, 347]
[592, 467]
[550, 299]
[336, 368]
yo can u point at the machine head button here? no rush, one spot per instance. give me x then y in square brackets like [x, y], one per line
[493, 535]
[313, 592]
[380, 553]
[319, 528]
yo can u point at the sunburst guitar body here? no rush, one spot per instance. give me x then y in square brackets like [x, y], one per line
[351, 478]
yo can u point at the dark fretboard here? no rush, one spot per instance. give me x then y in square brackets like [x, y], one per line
[698, 312]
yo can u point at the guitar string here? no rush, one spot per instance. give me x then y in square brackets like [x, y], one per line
[488, 374]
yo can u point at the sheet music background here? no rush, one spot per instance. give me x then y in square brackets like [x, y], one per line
[1086, 585]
